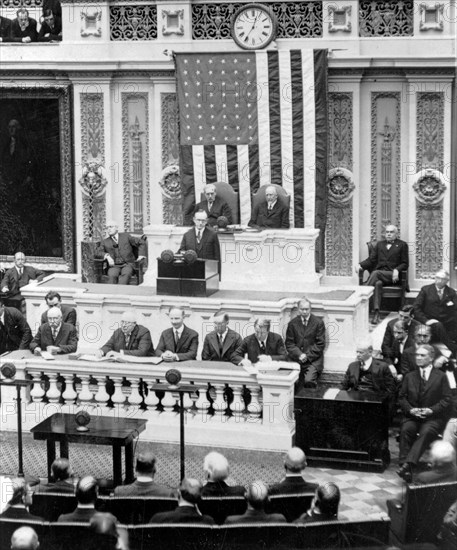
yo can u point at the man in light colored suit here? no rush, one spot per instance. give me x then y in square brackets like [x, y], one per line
[179, 343]
[20, 275]
[221, 343]
[119, 253]
[305, 343]
[55, 336]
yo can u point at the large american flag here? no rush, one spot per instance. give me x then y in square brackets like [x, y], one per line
[255, 118]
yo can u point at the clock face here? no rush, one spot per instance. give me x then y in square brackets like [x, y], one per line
[253, 27]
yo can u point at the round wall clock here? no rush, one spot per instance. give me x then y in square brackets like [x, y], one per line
[254, 26]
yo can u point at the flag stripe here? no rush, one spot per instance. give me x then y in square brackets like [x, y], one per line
[309, 144]
[255, 168]
[198, 153]
[221, 163]
[264, 166]
[275, 117]
[297, 130]
[232, 166]
[286, 128]
[245, 182]
[210, 164]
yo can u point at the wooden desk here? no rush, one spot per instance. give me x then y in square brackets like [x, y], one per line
[103, 430]
[350, 431]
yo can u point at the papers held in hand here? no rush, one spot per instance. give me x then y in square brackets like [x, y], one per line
[118, 359]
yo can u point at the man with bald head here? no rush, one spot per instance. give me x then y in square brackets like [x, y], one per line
[214, 206]
[387, 259]
[24, 538]
[256, 497]
[119, 253]
[178, 343]
[189, 495]
[130, 339]
[436, 306]
[294, 464]
[55, 336]
[271, 214]
[324, 506]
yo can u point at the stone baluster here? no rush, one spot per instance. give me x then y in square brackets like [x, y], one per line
[169, 401]
[202, 404]
[219, 404]
[135, 398]
[118, 398]
[85, 395]
[151, 400]
[238, 405]
[37, 392]
[102, 396]
[187, 401]
[69, 395]
[254, 407]
[53, 393]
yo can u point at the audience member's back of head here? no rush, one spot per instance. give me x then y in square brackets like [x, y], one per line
[61, 469]
[87, 490]
[190, 490]
[442, 455]
[295, 460]
[20, 489]
[257, 495]
[328, 499]
[104, 527]
[24, 538]
[216, 466]
[146, 463]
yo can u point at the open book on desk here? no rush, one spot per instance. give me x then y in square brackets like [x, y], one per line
[118, 359]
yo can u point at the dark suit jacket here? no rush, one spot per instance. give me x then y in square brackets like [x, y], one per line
[5, 27]
[427, 306]
[17, 329]
[54, 34]
[313, 518]
[436, 395]
[309, 340]
[250, 345]
[292, 485]
[408, 359]
[388, 342]
[182, 514]
[186, 348]
[126, 244]
[67, 338]
[140, 343]
[79, 515]
[221, 489]
[387, 260]
[17, 34]
[211, 350]
[68, 315]
[255, 516]
[219, 208]
[382, 378]
[61, 486]
[19, 513]
[277, 218]
[144, 488]
[14, 283]
[208, 249]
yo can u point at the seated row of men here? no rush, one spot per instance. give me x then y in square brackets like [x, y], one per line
[23, 28]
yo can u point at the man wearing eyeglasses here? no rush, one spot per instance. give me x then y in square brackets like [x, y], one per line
[119, 253]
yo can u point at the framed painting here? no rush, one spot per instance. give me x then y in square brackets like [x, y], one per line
[37, 198]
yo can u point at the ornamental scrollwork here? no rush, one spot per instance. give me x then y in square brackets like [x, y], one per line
[93, 181]
[340, 185]
[429, 187]
[170, 182]
[173, 22]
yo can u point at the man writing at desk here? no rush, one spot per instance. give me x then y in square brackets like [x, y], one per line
[55, 336]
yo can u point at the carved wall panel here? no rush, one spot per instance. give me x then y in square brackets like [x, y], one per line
[93, 161]
[386, 18]
[135, 160]
[170, 181]
[430, 130]
[385, 162]
[133, 22]
[339, 230]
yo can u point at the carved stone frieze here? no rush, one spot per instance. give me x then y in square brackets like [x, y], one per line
[340, 186]
[172, 22]
[430, 130]
[170, 132]
[429, 239]
[91, 18]
[386, 18]
[429, 187]
[340, 126]
[130, 23]
[339, 18]
[170, 182]
[93, 184]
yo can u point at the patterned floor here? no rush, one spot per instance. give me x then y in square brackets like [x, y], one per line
[364, 494]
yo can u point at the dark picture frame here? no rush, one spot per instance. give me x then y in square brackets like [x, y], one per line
[36, 175]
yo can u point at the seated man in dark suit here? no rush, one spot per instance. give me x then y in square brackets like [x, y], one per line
[107, 533]
[214, 206]
[424, 398]
[222, 342]
[62, 474]
[368, 373]
[86, 495]
[15, 332]
[24, 538]
[423, 335]
[202, 239]
[216, 468]
[305, 343]
[20, 275]
[23, 28]
[324, 506]
[55, 336]
[51, 28]
[131, 339]
[293, 483]
[189, 494]
[119, 253]
[144, 484]
[436, 305]
[53, 299]
[442, 464]
[263, 345]
[18, 505]
[179, 343]
[271, 214]
[5, 28]
[396, 349]
[256, 497]
[406, 316]
[385, 262]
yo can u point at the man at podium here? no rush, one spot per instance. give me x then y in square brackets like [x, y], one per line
[202, 239]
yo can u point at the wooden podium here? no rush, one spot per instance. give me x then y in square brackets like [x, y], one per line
[181, 279]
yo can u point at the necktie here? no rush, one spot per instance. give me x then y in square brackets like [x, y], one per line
[424, 375]
[12, 145]
[114, 237]
[440, 293]
[305, 321]
[54, 333]
[176, 337]
[210, 205]
[221, 343]
[199, 236]
[270, 207]
[262, 347]
[127, 340]
[20, 272]
[362, 365]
